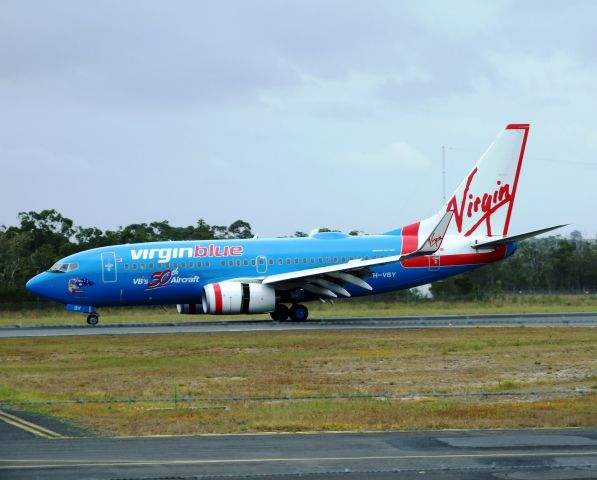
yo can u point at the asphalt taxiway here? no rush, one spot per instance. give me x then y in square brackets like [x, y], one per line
[227, 326]
[492, 454]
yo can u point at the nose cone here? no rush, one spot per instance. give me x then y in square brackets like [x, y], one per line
[35, 284]
[44, 285]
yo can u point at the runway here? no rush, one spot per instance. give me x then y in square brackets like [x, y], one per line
[521, 454]
[227, 326]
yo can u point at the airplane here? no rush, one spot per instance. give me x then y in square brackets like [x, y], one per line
[278, 275]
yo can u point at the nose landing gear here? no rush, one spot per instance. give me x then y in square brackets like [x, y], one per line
[92, 317]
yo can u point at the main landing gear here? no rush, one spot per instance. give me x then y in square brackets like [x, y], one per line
[93, 319]
[296, 312]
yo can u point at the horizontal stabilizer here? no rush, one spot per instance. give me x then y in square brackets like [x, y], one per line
[514, 238]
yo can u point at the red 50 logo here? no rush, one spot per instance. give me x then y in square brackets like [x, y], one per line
[160, 279]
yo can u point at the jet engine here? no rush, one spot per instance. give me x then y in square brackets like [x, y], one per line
[238, 297]
[190, 308]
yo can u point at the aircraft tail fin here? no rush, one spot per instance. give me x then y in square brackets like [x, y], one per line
[483, 202]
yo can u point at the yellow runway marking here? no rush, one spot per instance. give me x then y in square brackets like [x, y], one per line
[23, 424]
[95, 463]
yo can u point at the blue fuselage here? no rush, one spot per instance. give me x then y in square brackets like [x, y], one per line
[176, 272]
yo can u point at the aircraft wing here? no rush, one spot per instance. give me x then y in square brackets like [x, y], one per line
[329, 281]
[514, 238]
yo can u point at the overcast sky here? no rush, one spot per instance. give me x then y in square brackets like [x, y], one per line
[291, 115]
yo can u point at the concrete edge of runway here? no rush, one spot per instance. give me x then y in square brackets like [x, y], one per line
[563, 316]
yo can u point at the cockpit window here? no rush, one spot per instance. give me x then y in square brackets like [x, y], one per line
[63, 267]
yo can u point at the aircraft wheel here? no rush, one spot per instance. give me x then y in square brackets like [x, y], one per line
[299, 313]
[280, 313]
[92, 319]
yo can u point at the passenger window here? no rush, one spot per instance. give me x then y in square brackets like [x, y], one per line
[246, 263]
[183, 264]
[134, 266]
[142, 266]
[327, 259]
[335, 259]
[304, 260]
[253, 262]
[207, 263]
[175, 265]
[296, 260]
[352, 258]
[126, 266]
[230, 263]
[191, 264]
[223, 263]
[199, 264]
[343, 259]
[320, 260]
[151, 266]
[238, 263]
[312, 260]
[271, 261]
[288, 261]
[279, 261]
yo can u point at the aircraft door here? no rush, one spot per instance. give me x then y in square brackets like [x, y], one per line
[109, 274]
[434, 263]
[261, 261]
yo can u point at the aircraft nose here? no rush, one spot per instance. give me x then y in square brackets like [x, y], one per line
[35, 284]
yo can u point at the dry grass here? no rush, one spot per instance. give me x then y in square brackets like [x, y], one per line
[398, 362]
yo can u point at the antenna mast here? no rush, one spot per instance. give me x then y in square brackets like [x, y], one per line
[444, 173]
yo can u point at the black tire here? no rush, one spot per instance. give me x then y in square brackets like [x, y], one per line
[92, 319]
[280, 313]
[299, 313]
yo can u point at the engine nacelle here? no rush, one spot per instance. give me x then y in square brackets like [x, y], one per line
[237, 297]
[190, 308]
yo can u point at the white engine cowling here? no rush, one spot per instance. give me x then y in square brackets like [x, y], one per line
[190, 308]
[237, 297]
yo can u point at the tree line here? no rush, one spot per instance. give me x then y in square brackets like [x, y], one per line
[552, 264]
[42, 238]
[540, 265]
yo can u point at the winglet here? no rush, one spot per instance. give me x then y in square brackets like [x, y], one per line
[435, 238]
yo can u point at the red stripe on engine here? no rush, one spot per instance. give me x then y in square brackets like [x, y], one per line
[218, 297]
[459, 259]
[410, 238]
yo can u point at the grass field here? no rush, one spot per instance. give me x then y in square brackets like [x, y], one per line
[343, 308]
[541, 367]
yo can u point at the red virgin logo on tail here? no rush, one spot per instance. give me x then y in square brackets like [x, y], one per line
[479, 208]
[435, 241]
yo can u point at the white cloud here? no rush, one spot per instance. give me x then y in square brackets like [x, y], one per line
[400, 155]
[459, 17]
[554, 77]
